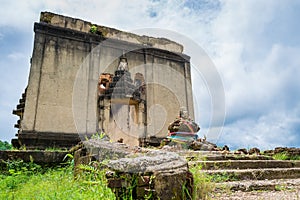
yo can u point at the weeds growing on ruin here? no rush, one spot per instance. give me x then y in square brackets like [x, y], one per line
[203, 186]
[93, 29]
[99, 135]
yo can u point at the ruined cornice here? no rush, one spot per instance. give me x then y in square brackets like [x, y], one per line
[95, 39]
[107, 32]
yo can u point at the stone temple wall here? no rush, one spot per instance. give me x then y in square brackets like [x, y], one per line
[67, 60]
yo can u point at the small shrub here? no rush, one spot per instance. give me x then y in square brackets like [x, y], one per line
[94, 29]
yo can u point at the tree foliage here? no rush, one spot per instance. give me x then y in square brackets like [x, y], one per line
[5, 145]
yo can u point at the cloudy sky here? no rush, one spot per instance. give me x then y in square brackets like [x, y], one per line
[254, 45]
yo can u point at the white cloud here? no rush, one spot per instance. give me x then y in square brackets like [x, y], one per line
[266, 132]
[260, 76]
[16, 56]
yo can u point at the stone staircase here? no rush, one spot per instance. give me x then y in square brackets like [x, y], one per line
[19, 111]
[236, 174]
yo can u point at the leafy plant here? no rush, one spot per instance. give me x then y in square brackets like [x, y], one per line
[100, 135]
[94, 29]
[16, 167]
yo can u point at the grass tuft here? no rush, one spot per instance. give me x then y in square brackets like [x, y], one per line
[203, 186]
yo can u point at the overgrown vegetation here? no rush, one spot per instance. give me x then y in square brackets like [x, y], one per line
[5, 145]
[20, 180]
[285, 156]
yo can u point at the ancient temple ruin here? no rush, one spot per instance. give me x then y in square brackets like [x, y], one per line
[87, 79]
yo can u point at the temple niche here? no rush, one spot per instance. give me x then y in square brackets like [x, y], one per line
[122, 104]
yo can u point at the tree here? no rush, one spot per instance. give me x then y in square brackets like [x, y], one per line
[5, 145]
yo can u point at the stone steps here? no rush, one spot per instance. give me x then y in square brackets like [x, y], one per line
[254, 174]
[245, 164]
[231, 173]
[234, 157]
[218, 155]
[259, 185]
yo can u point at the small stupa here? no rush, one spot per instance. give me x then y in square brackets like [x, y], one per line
[183, 129]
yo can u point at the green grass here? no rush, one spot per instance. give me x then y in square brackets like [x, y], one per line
[31, 181]
[285, 156]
